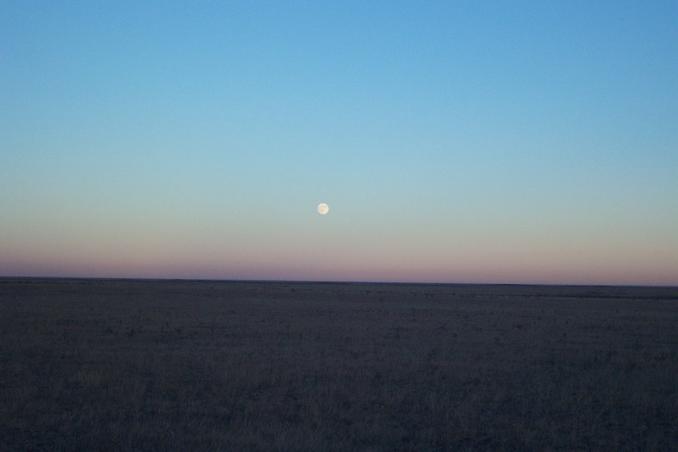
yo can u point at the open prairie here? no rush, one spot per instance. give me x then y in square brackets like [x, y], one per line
[207, 365]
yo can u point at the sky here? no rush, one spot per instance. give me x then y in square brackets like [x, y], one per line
[454, 141]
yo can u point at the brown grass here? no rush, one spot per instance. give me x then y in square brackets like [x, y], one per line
[152, 365]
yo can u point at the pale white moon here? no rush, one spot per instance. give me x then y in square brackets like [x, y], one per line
[323, 209]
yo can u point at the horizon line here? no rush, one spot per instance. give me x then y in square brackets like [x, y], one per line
[312, 281]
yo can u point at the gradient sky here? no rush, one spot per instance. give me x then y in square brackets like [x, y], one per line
[454, 141]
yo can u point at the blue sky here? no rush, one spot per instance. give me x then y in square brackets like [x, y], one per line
[454, 141]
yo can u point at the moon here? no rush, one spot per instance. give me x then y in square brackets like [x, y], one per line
[323, 209]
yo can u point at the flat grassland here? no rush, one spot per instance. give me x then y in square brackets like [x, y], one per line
[208, 365]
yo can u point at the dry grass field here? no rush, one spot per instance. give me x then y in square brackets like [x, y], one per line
[204, 365]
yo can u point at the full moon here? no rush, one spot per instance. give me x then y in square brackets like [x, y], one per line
[323, 208]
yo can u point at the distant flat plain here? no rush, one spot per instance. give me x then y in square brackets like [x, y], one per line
[209, 365]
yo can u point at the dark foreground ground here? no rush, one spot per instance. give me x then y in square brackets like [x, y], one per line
[155, 365]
